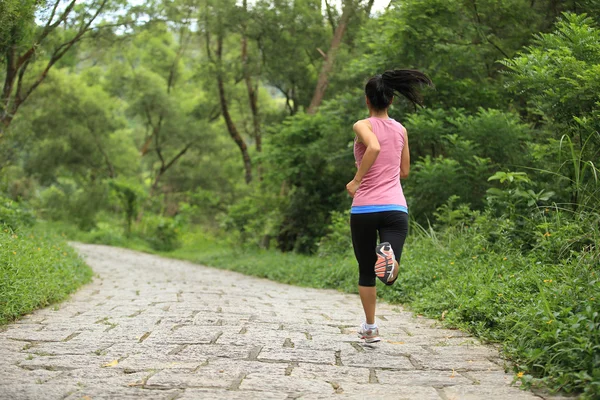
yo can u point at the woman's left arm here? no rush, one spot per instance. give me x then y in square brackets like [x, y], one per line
[405, 158]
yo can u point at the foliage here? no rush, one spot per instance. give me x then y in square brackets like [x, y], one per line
[337, 241]
[36, 269]
[15, 216]
[161, 233]
[129, 196]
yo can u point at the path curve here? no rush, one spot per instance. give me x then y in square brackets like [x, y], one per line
[156, 328]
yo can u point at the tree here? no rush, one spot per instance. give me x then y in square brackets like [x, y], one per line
[23, 44]
[217, 18]
[288, 36]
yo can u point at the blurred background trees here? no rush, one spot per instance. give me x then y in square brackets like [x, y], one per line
[200, 106]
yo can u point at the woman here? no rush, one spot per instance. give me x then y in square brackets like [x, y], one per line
[378, 206]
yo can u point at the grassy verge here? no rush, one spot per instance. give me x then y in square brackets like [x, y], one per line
[544, 314]
[36, 269]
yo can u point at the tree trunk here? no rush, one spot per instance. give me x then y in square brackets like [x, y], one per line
[9, 81]
[252, 91]
[231, 128]
[329, 61]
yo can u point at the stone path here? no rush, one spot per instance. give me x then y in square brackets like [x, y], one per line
[154, 328]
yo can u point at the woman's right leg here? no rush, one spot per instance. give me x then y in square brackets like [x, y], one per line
[394, 229]
[364, 241]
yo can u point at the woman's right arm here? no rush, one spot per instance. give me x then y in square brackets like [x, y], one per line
[405, 158]
[364, 133]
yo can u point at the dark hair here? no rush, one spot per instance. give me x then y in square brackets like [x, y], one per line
[380, 89]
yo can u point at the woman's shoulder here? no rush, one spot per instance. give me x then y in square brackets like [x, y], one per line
[398, 126]
[363, 122]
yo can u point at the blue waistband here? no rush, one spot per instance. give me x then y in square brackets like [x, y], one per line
[377, 208]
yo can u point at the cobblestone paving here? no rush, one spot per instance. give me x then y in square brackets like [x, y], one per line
[154, 328]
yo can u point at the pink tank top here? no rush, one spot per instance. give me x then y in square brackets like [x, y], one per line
[381, 185]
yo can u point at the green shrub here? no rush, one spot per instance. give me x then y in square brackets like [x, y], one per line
[79, 205]
[106, 233]
[161, 233]
[338, 240]
[14, 215]
[52, 204]
[254, 219]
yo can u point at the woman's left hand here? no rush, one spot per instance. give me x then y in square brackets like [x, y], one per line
[352, 187]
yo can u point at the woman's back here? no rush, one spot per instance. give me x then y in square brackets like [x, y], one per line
[381, 185]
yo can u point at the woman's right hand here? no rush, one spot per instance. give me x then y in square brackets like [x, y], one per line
[352, 187]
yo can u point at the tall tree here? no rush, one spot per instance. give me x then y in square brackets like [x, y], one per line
[217, 19]
[288, 34]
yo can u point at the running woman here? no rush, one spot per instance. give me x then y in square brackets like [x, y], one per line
[378, 206]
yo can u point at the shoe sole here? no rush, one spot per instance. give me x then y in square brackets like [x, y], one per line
[370, 339]
[384, 258]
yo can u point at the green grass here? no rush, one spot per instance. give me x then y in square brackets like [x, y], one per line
[36, 269]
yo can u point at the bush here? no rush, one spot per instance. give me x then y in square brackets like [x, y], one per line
[254, 219]
[66, 201]
[14, 215]
[338, 240]
[52, 204]
[106, 233]
[162, 234]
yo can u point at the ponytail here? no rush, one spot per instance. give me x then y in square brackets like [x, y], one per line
[380, 89]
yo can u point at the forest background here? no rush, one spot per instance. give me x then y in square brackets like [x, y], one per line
[220, 132]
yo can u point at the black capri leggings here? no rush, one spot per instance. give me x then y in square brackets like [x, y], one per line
[392, 227]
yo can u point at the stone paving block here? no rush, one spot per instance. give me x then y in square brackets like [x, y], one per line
[377, 360]
[57, 349]
[385, 392]
[421, 378]
[105, 392]
[12, 374]
[62, 363]
[434, 361]
[478, 392]
[107, 377]
[317, 343]
[216, 374]
[489, 378]
[33, 391]
[187, 334]
[333, 372]
[26, 334]
[298, 355]
[211, 394]
[257, 335]
[464, 352]
[265, 382]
